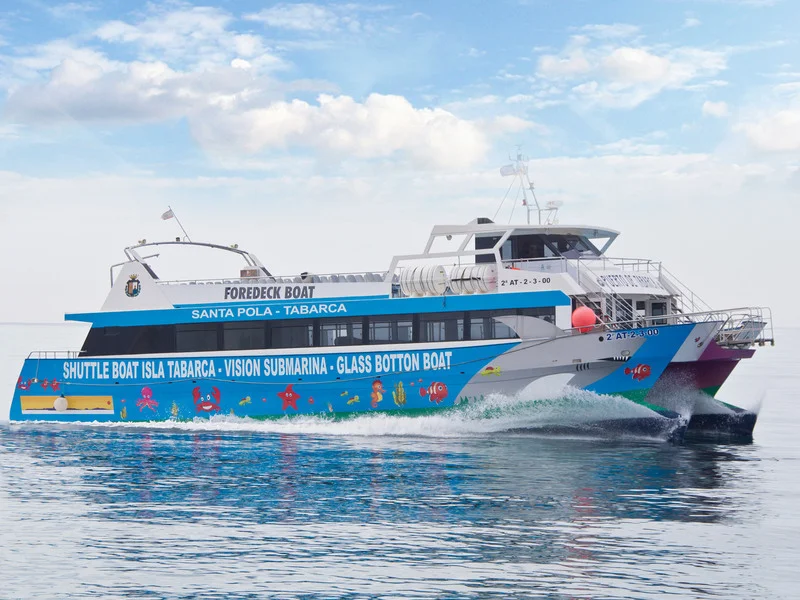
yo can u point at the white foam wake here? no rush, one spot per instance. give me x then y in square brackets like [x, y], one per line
[531, 410]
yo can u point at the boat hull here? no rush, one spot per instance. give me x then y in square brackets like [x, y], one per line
[403, 379]
[690, 387]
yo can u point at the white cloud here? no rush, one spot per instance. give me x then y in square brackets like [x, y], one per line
[773, 124]
[307, 17]
[71, 9]
[475, 53]
[690, 22]
[9, 131]
[569, 64]
[195, 36]
[617, 30]
[298, 17]
[520, 98]
[339, 126]
[634, 65]
[775, 132]
[716, 109]
[625, 76]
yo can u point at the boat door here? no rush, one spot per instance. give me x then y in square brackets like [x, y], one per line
[658, 308]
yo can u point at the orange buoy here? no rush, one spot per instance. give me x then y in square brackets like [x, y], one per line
[584, 319]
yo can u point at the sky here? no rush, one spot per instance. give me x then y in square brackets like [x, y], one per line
[327, 137]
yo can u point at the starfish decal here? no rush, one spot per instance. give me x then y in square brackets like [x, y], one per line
[289, 397]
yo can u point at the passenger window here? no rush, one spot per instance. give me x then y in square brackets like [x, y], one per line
[292, 335]
[243, 336]
[340, 333]
[199, 337]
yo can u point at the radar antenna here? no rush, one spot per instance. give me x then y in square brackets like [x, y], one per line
[519, 169]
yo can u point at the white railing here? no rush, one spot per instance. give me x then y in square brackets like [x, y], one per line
[355, 277]
[54, 354]
[743, 326]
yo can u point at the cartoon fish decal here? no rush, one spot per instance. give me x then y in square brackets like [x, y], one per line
[436, 392]
[639, 372]
[174, 409]
[344, 393]
[490, 370]
[289, 397]
[353, 400]
[244, 401]
[399, 394]
[123, 414]
[311, 400]
[23, 385]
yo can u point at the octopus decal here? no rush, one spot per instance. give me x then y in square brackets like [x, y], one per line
[206, 404]
[146, 401]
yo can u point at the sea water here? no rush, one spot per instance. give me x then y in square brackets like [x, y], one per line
[393, 507]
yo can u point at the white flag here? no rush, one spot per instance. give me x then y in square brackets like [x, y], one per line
[508, 170]
[167, 215]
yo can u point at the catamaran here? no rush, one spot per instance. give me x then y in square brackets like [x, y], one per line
[485, 309]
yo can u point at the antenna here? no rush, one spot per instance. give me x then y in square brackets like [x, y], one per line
[519, 169]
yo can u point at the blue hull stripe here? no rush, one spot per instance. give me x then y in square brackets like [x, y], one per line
[341, 307]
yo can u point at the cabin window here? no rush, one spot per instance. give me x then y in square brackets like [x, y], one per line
[196, 337]
[484, 327]
[243, 336]
[155, 339]
[291, 334]
[105, 341]
[441, 327]
[394, 329]
[341, 333]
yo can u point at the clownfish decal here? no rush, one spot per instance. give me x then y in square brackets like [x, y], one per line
[436, 392]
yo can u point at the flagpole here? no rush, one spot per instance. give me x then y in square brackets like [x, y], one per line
[179, 223]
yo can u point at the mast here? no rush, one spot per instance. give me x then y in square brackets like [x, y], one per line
[519, 169]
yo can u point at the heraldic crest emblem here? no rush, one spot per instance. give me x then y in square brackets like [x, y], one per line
[133, 286]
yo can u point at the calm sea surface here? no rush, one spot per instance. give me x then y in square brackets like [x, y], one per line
[399, 508]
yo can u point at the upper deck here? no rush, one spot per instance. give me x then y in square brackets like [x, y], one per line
[478, 266]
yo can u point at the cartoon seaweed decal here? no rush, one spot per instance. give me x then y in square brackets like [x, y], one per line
[399, 394]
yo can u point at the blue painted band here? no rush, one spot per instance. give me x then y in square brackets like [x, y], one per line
[329, 307]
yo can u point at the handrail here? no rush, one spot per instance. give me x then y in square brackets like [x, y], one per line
[54, 354]
[742, 326]
[380, 277]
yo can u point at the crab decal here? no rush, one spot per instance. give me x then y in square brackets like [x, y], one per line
[206, 403]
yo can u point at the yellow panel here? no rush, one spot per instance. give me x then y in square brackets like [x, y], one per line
[73, 402]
